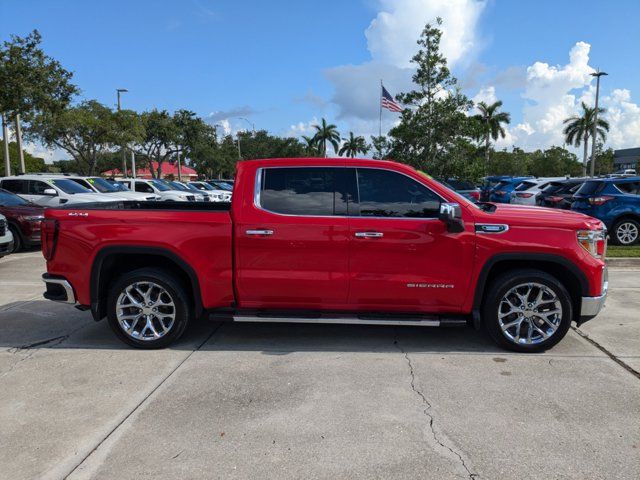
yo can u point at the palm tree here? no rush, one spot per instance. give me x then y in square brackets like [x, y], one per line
[352, 146]
[310, 145]
[326, 133]
[579, 129]
[492, 121]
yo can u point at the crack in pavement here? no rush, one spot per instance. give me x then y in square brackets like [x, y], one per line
[429, 415]
[609, 354]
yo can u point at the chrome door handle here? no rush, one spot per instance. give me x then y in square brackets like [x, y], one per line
[259, 232]
[369, 234]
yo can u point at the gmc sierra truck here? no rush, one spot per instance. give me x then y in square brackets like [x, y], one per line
[328, 241]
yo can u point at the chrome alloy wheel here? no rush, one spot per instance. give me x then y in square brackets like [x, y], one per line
[627, 233]
[529, 313]
[145, 311]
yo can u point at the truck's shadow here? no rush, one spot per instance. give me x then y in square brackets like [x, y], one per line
[43, 324]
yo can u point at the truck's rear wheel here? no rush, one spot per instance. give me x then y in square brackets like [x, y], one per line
[148, 308]
[527, 310]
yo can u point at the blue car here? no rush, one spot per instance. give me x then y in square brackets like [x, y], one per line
[501, 193]
[615, 201]
[488, 184]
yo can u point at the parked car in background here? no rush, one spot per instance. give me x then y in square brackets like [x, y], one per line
[559, 194]
[488, 184]
[52, 190]
[200, 196]
[526, 191]
[467, 189]
[221, 185]
[164, 191]
[100, 185]
[23, 219]
[6, 237]
[501, 193]
[218, 195]
[615, 201]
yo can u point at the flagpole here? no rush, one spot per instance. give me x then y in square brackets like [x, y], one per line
[380, 102]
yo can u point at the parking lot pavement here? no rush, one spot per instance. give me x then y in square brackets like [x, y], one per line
[291, 401]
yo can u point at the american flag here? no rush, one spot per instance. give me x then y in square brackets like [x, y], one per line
[388, 102]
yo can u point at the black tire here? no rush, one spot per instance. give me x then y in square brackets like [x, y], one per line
[17, 238]
[619, 238]
[503, 284]
[182, 303]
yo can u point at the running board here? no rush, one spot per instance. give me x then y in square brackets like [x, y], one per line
[346, 320]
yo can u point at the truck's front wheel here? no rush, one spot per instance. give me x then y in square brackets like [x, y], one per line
[148, 308]
[527, 310]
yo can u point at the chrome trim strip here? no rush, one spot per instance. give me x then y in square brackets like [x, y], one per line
[71, 298]
[499, 228]
[337, 320]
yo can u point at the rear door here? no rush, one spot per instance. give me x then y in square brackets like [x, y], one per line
[291, 238]
[402, 258]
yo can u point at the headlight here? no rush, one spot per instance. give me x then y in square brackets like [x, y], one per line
[593, 241]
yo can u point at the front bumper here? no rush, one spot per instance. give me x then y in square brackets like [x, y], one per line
[58, 289]
[591, 306]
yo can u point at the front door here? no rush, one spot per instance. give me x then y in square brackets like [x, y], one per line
[402, 258]
[291, 238]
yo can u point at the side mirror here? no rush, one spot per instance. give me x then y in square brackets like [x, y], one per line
[50, 191]
[451, 215]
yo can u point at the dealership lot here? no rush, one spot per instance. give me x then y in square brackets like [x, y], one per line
[312, 401]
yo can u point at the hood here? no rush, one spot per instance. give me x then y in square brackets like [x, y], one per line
[94, 197]
[528, 216]
[132, 195]
[22, 211]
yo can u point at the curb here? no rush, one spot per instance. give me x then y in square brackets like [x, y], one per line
[625, 262]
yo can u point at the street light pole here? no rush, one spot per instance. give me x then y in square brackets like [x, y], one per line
[124, 153]
[5, 135]
[597, 74]
[19, 142]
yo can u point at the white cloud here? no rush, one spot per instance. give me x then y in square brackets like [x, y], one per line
[391, 40]
[553, 93]
[302, 128]
[486, 95]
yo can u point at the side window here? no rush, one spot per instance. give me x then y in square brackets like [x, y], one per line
[383, 193]
[143, 187]
[14, 186]
[304, 191]
[36, 187]
[630, 188]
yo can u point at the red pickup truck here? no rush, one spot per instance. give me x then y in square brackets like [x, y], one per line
[329, 241]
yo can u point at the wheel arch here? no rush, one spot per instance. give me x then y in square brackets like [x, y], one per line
[567, 272]
[113, 261]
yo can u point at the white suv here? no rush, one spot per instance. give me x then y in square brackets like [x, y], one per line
[526, 191]
[6, 238]
[52, 190]
[215, 194]
[159, 188]
[100, 185]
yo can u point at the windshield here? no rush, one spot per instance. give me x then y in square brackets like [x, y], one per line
[222, 185]
[8, 199]
[121, 187]
[69, 186]
[202, 186]
[459, 198]
[178, 186]
[163, 187]
[102, 185]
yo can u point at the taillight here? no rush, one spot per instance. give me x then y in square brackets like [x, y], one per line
[600, 200]
[475, 195]
[593, 241]
[524, 195]
[49, 234]
[554, 199]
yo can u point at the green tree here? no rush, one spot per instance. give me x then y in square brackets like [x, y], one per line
[578, 129]
[86, 132]
[326, 133]
[311, 146]
[492, 120]
[31, 82]
[381, 147]
[159, 141]
[353, 145]
[32, 164]
[433, 128]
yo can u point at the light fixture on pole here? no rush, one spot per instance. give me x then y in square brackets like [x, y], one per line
[124, 153]
[597, 74]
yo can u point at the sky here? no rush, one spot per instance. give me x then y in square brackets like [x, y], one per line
[283, 65]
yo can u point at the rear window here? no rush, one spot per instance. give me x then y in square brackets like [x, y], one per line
[553, 187]
[590, 188]
[522, 186]
[502, 184]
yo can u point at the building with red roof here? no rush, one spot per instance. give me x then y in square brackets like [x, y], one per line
[168, 170]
